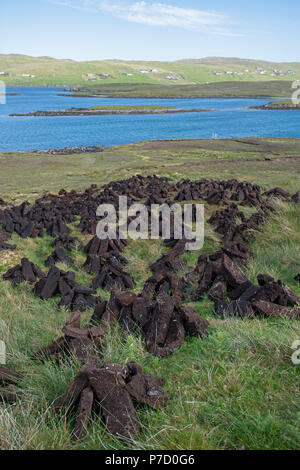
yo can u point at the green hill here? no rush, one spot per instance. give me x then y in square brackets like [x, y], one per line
[277, 88]
[24, 70]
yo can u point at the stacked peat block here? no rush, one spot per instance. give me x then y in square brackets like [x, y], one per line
[26, 271]
[83, 343]
[105, 260]
[219, 192]
[58, 256]
[115, 388]
[158, 311]
[221, 277]
[168, 321]
[171, 261]
[6, 246]
[73, 296]
[67, 242]
[8, 381]
[225, 224]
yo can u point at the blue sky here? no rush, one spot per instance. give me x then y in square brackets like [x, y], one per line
[149, 30]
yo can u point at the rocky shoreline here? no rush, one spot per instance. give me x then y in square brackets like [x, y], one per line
[87, 112]
[72, 150]
[276, 108]
[163, 97]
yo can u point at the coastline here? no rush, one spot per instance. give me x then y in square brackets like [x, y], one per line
[276, 108]
[174, 97]
[107, 113]
[234, 144]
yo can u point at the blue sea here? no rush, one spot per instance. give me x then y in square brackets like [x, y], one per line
[230, 118]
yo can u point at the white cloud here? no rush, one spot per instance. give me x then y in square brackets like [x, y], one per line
[158, 14]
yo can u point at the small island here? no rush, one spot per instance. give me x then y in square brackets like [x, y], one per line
[281, 105]
[101, 110]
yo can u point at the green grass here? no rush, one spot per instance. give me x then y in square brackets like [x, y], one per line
[237, 388]
[228, 89]
[130, 108]
[48, 71]
[282, 104]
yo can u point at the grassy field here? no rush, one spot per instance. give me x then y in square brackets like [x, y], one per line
[222, 89]
[130, 107]
[282, 104]
[25, 70]
[237, 388]
[111, 110]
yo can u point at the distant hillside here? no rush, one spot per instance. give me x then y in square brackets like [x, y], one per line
[231, 61]
[24, 70]
[253, 89]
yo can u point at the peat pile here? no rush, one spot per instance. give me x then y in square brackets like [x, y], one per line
[218, 192]
[53, 212]
[26, 271]
[226, 223]
[83, 343]
[72, 150]
[221, 277]
[268, 298]
[8, 380]
[67, 242]
[105, 260]
[157, 311]
[115, 388]
[6, 246]
[58, 256]
[60, 283]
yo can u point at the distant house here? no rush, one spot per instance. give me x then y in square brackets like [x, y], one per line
[153, 71]
[91, 76]
[26, 75]
[170, 77]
